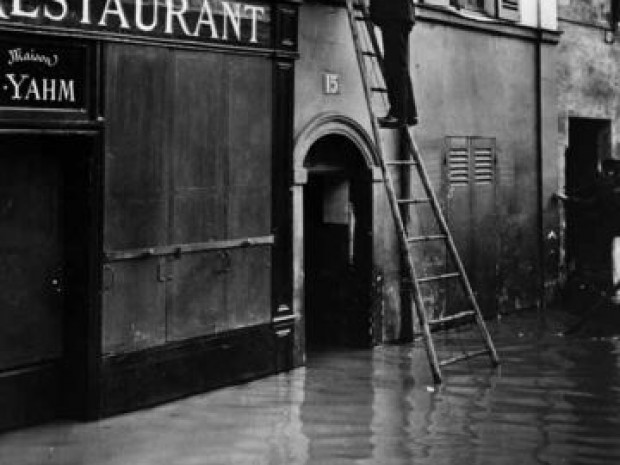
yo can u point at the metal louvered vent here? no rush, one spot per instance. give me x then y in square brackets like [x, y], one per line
[483, 166]
[458, 160]
[512, 5]
[509, 9]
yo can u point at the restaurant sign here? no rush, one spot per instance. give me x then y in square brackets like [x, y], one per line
[42, 76]
[221, 21]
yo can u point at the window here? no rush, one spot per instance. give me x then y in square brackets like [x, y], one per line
[505, 9]
[476, 5]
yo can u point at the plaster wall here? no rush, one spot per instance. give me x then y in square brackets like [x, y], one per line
[549, 14]
[468, 82]
[588, 77]
[467, 86]
[595, 12]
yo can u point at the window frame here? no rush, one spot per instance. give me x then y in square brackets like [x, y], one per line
[509, 10]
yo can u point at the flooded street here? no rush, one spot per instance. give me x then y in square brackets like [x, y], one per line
[554, 400]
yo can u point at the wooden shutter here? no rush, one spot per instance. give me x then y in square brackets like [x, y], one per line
[470, 206]
[509, 9]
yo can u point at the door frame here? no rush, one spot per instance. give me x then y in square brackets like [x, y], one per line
[83, 367]
[324, 124]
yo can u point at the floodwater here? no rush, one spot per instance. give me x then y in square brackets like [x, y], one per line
[554, 400]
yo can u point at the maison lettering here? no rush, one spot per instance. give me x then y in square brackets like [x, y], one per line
[210, 19]
[17, 55]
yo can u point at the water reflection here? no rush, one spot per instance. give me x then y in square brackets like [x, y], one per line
[555, 401]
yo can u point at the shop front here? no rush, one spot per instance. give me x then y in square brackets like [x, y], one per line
[144, 219]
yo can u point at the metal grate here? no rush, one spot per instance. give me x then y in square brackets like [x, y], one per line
[484, 168]
[458, 159]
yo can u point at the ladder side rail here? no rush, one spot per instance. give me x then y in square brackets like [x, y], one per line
[363, 72]
[370, 28]
[391, 194]
[415, 153]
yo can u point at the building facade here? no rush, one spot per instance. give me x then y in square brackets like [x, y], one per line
[191, 198]
[588, 84]
[484, 78]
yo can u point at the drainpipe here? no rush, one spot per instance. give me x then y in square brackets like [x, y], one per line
[539, 159]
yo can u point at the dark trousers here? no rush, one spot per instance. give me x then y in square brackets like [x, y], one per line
[396, 60]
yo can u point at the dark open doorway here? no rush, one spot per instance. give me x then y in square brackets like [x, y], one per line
[337, 245]
[588, 260]
[45, 238]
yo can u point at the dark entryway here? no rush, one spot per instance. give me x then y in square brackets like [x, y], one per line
[338, 245]
[44, 237]
[588, 255]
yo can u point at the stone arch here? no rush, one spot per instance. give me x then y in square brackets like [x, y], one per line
[325, 126]
[330, 124]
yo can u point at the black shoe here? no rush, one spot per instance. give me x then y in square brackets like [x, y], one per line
[412, 121]
[389, 121]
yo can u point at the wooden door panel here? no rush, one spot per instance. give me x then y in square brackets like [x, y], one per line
[199, 143]
[133, 306]
[459, 216]
[198, 303]
[249, 287]
[31, 250]
[484, 263]
[136, 171]
[249, 161]
[199, 150]
[484, 253]
[199, 215]
[249, 212]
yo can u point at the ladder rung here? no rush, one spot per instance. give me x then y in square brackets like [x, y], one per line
[378, 89]
[438, 277]
[434, 237]
[464, 356]
[401, 163]
[452, 318]
[417, 200]
[369, 54]
[362, 18]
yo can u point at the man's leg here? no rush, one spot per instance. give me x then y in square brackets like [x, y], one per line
[410, 105]
[398, 81]
[392, 60]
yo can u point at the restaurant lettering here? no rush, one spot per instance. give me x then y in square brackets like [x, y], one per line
[211, 20]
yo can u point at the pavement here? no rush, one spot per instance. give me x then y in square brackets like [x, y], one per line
[555, 399]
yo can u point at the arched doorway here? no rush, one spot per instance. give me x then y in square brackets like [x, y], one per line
[337, 244]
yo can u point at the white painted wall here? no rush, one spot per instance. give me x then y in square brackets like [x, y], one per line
[546, 9]
[549, 12]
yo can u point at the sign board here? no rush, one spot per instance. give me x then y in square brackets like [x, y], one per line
[221, 21]
[42, 76]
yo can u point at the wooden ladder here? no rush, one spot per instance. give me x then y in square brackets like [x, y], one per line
[369, 59]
